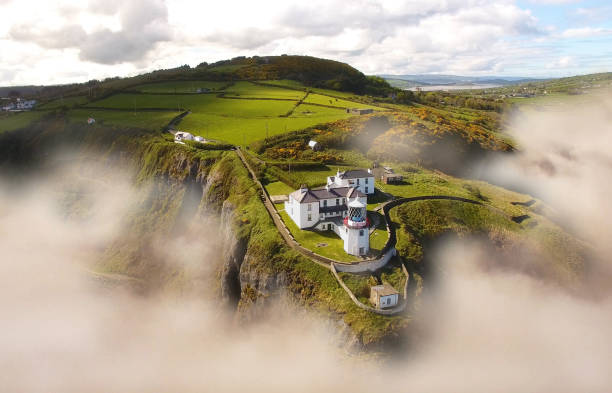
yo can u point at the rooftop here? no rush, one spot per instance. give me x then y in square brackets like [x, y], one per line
[354, 174]
[323, 193]
[384, 290]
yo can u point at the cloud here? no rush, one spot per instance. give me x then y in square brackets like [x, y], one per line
[450, 36]
[585, 32]
[144, 24]
[563, 62]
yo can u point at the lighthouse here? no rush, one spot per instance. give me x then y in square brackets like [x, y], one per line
[356, 226]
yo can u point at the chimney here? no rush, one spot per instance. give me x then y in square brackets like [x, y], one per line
[370, 171]
[303, 188]
[327, 187]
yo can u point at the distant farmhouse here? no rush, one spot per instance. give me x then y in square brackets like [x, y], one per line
[19, 105]
[180, 136]
[358, 111]
[339, 207]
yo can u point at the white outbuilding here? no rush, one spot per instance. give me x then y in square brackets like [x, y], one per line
[183, 136]
[383, 296]
[314, 145]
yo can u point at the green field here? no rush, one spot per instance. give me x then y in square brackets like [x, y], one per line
[252, 114]
[179, 86]
[68, 102]
[251, 90]
[198, 103]
[148, 120]
[13, 120]
[327, 100]
[241, 131]
[278, 188]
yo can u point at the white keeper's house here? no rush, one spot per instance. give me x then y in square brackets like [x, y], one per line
[336, 207]
[361, 179]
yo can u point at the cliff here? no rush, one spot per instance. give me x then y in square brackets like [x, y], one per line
[181, 192]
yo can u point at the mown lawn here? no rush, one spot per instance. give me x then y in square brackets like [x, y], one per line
[147, 120]
[10, 121]
[278, 188]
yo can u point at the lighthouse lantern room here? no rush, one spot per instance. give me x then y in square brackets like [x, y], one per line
[357, 229]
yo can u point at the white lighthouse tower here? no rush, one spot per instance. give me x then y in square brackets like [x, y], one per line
[356, 226]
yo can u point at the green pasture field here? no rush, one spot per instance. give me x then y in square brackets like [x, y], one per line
[198, 103]
[246, 130]
[326, 100]
[179, 86]
[148, 120]
[68, 102]
[251, 90]
[10, 121]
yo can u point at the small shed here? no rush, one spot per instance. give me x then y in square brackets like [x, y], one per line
[91, 120]
[392, 178]
[314, 145]
[384, 296]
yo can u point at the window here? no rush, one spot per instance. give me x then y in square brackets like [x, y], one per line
[337, 201]
[367, 180]
[325, 202]
[357, 181]
[309, 207]
[343, 201]
[366, 190]
[361, 251]
[309, 217]
[361, 232]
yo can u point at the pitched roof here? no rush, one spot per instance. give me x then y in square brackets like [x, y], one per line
[355, 173]
[323, 193]
[384, 290]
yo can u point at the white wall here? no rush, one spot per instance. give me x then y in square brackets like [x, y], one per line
[359, 183]
[383, 301]
[299, 212]
[354, 241]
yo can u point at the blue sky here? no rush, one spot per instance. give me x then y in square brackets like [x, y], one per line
[64, 41]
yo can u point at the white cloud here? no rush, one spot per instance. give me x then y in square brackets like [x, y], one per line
[563, 62]
[106, 38]
[585, 32]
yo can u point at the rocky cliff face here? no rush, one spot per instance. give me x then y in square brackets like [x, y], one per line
[197, 225]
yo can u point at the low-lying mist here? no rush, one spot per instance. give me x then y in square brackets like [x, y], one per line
[481, 329]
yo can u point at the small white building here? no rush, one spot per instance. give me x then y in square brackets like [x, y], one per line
[183, 136]
[384, 296]
[341, 209]
[361, 179]
[314, 145]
